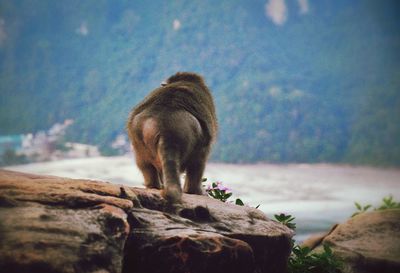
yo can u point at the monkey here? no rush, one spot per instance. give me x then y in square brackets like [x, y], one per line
[171, 132]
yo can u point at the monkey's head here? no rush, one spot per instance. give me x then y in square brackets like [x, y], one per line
[184, 76]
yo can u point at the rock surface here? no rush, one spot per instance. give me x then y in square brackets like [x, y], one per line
[368, 242]
[53, 224]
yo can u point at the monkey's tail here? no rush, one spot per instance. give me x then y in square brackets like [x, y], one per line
[169, 157]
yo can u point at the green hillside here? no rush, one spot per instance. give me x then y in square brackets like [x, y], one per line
[321, 85]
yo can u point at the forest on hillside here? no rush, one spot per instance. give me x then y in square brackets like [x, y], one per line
[316, 82]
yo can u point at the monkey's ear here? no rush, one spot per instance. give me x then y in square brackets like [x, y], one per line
[163, 83]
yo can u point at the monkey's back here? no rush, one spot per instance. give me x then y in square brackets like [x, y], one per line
[190, 97]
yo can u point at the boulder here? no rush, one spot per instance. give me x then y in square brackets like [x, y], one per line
[53, 224]
[368, 242]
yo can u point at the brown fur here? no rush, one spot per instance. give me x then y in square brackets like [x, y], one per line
[171, 131]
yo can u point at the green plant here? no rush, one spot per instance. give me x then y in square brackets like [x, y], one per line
[219, 191]
[387, 203]
[360, 208]
[302, 260]
[287, 220]
[239, 202]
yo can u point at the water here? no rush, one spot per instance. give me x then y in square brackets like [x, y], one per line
[318, 195]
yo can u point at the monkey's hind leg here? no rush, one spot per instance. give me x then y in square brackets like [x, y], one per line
[150, 174]
[194, 175]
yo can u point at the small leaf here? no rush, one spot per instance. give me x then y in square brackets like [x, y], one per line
[297, 250]
[239, 202]
[306, 250]
[278, 217]
[258, 206]
[354, 214]
[227, 195]
[358, 206]
[388, 200]
[327, 249]
[366, 207]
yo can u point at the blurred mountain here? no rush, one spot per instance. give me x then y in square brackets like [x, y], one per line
[294, 81]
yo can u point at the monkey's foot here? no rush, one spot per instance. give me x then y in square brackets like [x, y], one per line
[172, 193]
[198, 191]
[152, 185]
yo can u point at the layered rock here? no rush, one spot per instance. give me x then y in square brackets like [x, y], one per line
[52, 224]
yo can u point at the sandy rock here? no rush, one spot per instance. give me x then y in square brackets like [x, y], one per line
[53, 224]
[368, 242]
[316, 239]
[50, 224]
[52, 190]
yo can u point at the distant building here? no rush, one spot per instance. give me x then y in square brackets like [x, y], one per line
[78, 150]
[11, 142]
[46, 145]
[121, 144]
[37, 147]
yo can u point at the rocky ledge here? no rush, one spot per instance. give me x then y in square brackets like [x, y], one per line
[53, 224]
